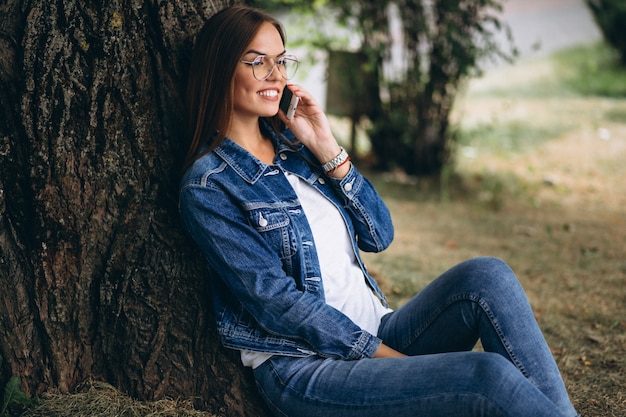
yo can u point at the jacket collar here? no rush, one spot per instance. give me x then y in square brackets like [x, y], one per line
[244, 163]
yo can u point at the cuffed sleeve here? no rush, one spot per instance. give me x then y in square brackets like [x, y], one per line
[371, 217]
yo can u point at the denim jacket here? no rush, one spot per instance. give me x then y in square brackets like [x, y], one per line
[266, 282]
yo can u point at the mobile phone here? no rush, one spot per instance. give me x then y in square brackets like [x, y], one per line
[289, 102]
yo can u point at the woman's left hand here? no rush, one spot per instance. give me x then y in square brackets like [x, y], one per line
[310, 125]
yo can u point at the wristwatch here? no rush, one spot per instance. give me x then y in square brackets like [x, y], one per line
[331, 165]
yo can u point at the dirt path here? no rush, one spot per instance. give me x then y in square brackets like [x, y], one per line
[541, 27]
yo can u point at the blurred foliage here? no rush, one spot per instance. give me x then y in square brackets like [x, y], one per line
[610, 15]
[422, 50]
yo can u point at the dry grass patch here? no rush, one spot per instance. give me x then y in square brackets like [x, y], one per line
[96, 399]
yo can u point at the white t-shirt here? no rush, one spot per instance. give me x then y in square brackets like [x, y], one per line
[345, 287]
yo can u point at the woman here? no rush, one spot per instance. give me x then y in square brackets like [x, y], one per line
[281, 214]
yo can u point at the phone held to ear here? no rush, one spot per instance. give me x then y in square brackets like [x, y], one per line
[289, 102]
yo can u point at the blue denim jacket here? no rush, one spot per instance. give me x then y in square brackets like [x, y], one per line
[267, 290]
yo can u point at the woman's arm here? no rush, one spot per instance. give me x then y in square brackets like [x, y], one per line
[372, 219]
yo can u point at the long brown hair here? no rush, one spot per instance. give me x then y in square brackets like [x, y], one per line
[216, 54]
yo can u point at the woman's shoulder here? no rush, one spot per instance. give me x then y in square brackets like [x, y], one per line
[202, 168]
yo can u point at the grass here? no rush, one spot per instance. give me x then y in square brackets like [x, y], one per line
[96, 399]
[538, 182]
[599, 76]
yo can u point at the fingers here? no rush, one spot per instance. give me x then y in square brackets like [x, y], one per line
[309, 123]
[302, 93]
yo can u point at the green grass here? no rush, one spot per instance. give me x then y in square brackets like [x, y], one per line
[510, 137]
[592, 70]
[576, 73]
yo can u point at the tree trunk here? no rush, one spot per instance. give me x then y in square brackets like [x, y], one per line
[96, 275]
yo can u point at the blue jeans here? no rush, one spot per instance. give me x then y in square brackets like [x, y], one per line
[477, 299]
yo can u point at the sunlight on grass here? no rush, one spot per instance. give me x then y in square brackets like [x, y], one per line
[592, 70]
[498, 114]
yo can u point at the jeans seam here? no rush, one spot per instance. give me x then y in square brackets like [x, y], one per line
[505, 343]
[488, 313]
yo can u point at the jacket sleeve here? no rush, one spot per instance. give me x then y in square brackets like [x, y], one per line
[253, 273]
[370, 215]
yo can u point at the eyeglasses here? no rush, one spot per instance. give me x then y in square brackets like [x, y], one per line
[263, 66]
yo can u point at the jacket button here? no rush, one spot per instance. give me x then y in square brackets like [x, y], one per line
[262, 222]
[348, 187]
[321, 181]
[283, 156]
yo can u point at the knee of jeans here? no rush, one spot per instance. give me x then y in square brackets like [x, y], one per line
[492, 269]
[489, 263]
[500, 380]
[494, 367]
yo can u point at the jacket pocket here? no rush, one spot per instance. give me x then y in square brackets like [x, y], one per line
[274, 225]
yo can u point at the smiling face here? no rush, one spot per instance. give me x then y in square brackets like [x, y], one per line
[254, 98]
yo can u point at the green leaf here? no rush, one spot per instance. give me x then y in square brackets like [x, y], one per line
[14, 394]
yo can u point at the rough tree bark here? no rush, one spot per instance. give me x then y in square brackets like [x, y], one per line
[97, 278]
